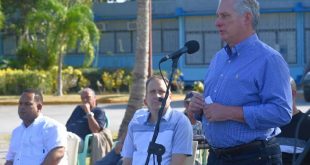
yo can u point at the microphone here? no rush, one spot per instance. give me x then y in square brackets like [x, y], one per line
[190, 47]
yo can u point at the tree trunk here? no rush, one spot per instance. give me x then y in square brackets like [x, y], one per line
[59, 76]
[140, 71]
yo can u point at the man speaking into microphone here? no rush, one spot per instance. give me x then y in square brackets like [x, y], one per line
[247, 94]
[175, 131]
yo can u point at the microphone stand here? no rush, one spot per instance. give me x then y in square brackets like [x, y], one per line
[154, 148]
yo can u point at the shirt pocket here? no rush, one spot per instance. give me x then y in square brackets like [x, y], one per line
[35, 146]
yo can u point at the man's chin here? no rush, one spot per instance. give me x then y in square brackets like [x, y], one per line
[156, 107]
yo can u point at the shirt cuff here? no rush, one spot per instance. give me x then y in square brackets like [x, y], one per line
[249, 116]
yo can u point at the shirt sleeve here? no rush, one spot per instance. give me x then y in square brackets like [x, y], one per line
[128, 147]
[275, 109]
[55, 135]
[12, 148]
[183, 137]
[100, 117]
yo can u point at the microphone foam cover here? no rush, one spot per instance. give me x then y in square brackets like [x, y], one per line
[192, 46]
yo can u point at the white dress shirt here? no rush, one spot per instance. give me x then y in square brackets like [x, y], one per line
[30, 145]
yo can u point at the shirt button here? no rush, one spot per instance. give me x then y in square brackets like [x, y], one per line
[215, 91]
[222, 75]
[229, 61]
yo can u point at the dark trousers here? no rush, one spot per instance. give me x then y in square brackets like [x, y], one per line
[111, 158]
[254, 153]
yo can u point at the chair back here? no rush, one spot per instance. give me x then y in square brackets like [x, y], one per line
[72, 148]
[107, 121]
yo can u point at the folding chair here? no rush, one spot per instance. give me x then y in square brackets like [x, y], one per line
[72, 148]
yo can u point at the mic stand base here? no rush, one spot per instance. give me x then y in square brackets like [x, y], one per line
[156, 149]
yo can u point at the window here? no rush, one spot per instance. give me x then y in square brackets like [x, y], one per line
[9, 44]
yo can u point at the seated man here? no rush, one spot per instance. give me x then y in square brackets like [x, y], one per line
[86, 118]
[175, 132]
[287, 139]
[39, 139]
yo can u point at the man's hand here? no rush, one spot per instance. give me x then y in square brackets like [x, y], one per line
[197, 103]
[215, 112]
[218, 112]
[86, 107]
[118, 147]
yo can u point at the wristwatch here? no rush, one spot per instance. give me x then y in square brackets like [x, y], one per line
[90, 114]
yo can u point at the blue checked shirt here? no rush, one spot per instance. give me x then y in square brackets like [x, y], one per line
[256, 77]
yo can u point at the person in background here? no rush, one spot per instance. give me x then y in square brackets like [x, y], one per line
[39, 139]
[175, 132]
[196, 124]
[247, 94]
[287, 137]
[114, 157]
[86, 118]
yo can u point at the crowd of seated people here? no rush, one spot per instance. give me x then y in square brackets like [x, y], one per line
[87, 118]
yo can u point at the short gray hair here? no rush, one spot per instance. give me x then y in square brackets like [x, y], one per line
[251, 6]
[92, 92]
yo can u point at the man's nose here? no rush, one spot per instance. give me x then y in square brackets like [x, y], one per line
[21, 108]
[218, 22]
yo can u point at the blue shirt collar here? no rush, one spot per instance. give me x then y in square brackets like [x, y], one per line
[165, 116]
[234, 51]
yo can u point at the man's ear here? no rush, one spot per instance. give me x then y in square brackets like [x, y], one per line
[248, 18]
[145, 103]
[39, 106]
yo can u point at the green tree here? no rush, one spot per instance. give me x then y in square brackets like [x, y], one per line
[1, 17]
[15, 13]
[140, 70]
[64, 25]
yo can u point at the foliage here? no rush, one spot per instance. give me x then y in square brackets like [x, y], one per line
[177, 83]
[127, 81]
[14, 81]
[15, 13]
[1, 17]
[4, 63]
[115, 80]
[198, 86]
[107, 80]
[73, 78]
[93, 75]
[64, 25]
[30, 56]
